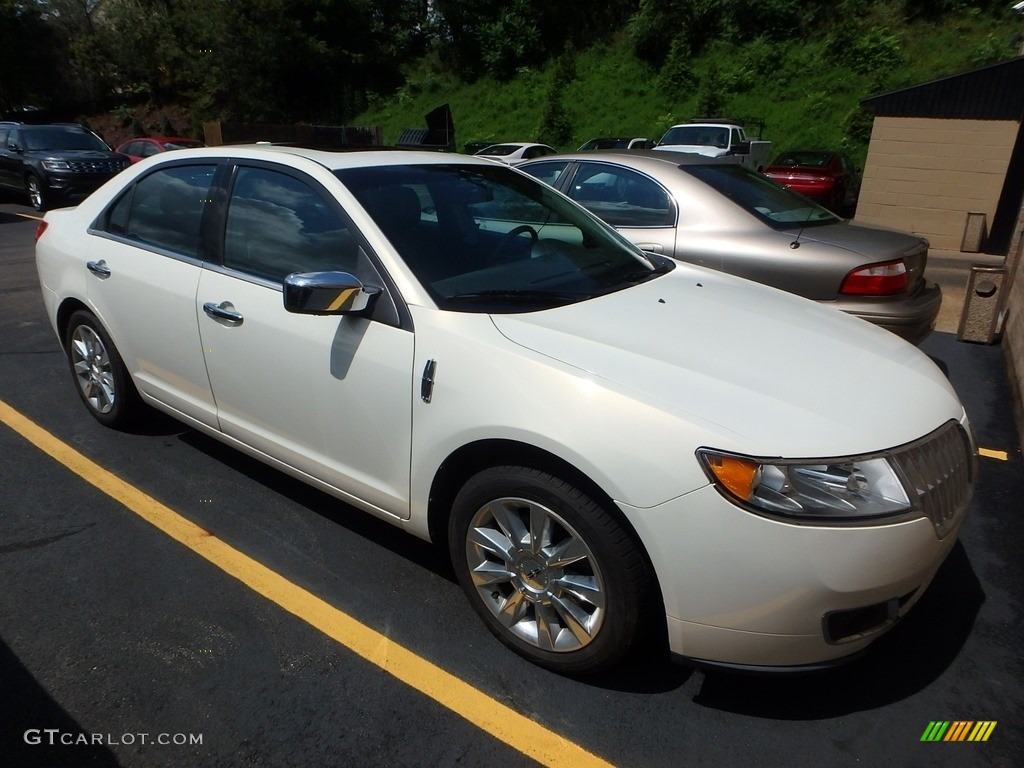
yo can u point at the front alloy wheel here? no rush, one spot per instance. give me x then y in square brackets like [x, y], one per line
[535, 574]
[552, 573]
[34, 187]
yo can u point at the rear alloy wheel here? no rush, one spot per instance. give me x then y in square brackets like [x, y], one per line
[553, 574]
[36, 196]
[103, 381]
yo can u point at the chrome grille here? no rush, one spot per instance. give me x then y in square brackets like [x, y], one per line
[95, 166]
[940, 468]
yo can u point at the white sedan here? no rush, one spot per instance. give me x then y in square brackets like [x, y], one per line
[607, 443]
[516, 152]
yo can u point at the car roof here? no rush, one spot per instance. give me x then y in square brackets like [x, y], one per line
[331, 159]
[635, 158]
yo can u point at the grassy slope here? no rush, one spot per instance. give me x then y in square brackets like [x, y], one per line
[804, 99]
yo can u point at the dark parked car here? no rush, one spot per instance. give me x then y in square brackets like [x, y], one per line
[55, 163]
[722, 215]
[617, 143]
[829, 178]
[143, 147]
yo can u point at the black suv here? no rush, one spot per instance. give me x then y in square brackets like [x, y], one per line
[55, 162]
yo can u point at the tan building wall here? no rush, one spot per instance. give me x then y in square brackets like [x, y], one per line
[924, 175]
[1013, 334]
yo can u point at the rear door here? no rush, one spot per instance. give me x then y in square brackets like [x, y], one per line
[144, 266]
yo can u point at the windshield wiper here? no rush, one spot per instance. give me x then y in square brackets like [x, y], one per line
[517, 294]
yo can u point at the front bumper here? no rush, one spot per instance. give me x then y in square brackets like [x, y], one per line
[70, 186]
[741, 589]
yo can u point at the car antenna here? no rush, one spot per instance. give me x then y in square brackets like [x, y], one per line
[796, 242]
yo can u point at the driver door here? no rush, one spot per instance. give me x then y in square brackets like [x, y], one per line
[330, 396]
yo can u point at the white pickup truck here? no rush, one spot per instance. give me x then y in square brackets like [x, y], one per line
[717, 139]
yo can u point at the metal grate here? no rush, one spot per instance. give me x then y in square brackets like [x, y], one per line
[940, 468]
[95, 166]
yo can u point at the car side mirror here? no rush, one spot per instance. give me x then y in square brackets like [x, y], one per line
[14, 147]
[328, 293]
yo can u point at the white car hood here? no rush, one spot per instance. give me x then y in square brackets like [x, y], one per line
[762, 371]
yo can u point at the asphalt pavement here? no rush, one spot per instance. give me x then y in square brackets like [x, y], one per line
[111, 630]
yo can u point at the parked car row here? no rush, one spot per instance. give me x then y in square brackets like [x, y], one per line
[727, 217]
[609, 444]
[61, 163]
[55, 163]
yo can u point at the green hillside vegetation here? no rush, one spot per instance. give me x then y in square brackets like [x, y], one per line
[807, 91]
[559, 72]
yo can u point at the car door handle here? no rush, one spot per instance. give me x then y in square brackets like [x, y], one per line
[652, 247]
[98, 268]
[223, 311]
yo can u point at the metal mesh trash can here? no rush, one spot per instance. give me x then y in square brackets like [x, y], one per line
[981, 320]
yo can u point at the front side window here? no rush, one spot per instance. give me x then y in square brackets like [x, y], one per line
[278, 224]
[622, 197]
[164, 209]
[495, 241]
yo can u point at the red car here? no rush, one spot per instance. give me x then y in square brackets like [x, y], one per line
[828, 178]
[140, 148]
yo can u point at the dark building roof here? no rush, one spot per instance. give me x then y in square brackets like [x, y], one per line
[995, 92]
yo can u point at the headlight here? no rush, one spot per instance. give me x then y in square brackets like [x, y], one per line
[56, 165]
[825, 490]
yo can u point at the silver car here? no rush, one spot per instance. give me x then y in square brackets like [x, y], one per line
[721, 215]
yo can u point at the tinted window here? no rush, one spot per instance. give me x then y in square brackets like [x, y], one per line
[278, 224]
[166, 208]
[622, 197]
[548, 172]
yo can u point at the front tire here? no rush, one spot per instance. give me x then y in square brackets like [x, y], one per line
[553, 575]
[36, 195]
[102, 380]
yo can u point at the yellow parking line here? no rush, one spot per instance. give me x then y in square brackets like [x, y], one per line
[988, 453]
[503, 723]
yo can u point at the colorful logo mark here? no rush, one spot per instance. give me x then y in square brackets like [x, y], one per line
[958, 730]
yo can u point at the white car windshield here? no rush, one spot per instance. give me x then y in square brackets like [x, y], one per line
[489, 239]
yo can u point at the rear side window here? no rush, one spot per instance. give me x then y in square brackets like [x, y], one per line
[548, 172]
[165, 209]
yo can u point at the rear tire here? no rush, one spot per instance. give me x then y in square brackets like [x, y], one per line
[551, 572]
[100, 375]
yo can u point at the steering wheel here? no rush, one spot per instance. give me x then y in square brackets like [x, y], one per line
[512, 234]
